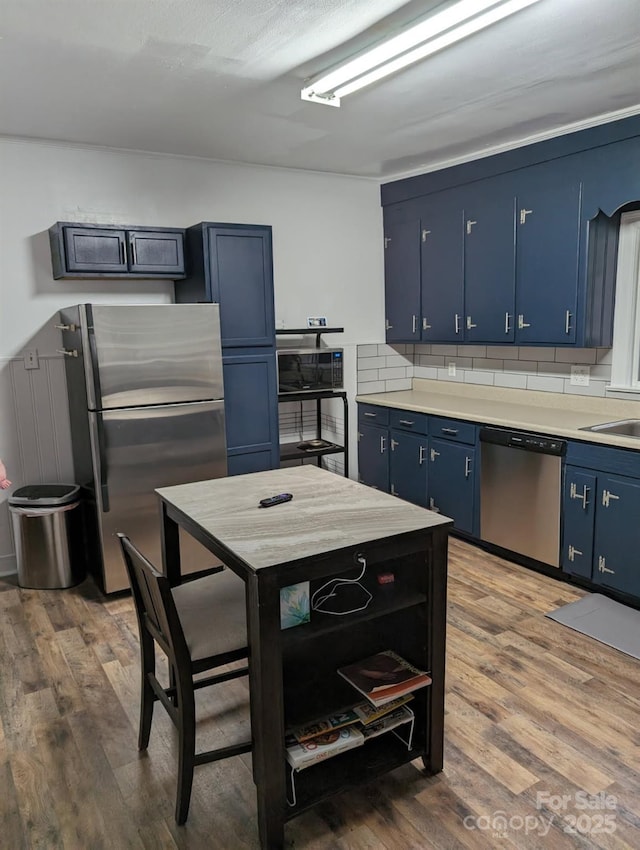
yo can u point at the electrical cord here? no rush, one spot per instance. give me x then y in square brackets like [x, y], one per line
[330, 587]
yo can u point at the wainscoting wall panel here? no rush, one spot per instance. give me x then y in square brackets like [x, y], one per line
[36, 446]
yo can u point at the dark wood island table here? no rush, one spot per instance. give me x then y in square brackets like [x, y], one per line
[332, 528]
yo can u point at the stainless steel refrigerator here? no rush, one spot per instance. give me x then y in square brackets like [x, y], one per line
[146, 405]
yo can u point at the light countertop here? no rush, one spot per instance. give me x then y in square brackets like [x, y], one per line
[554, 414]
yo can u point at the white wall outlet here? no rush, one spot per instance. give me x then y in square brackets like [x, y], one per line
[452, 370]
[31, 359]
[580, 376]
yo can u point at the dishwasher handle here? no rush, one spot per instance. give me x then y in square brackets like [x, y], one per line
[523, 440]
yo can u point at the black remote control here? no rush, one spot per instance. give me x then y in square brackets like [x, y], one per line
[275, 500]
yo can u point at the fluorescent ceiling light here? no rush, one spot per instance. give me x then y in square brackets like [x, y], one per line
[456, 22]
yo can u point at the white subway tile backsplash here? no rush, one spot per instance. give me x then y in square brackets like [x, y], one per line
[430, 360]
[502, 352]
[443, 375]
[545, 384]
[367, 375]
[445, 350]
[421, 348]
[367, 350]
[372, 362]
[430, 372]
[595, 388]
[472, 351]
[604, 355]
[478, 378]
[521, 366]
[533, 353]
[398, 384]
[460, 362]
[510, 379]
[388, 374]
[371, 387]
[576, 355]
[486, 365]
[397, 360]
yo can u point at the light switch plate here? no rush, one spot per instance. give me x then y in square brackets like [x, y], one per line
[580, 376]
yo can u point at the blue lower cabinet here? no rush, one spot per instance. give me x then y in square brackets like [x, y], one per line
[373, 456]
[251, 412]
[452, 482]
[617, 534]
[408, 466]
[578, 511]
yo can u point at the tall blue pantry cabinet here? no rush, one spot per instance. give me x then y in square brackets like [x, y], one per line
[232, 264]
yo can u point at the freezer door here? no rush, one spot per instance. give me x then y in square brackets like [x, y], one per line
[144, 354]
[135, 451]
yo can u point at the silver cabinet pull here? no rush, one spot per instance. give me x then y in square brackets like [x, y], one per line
[567, 322]
[394, 443]
[387, 325]
[134, 253]
[70, 327]
[607, 495]
[409, 422]
[457, 323]
[467, 467]
[425, 325]
[452, 431]
[583, 497]
[434, 454]
[382, 445]
[523, 215]
[573, 552]
[420, 455]
[470, 224]
[507, 328]
[602, 566]
[414, 324]
[394, 492]
[373, 415]
[470, 324]
[425, 233]
[123, 252]
[521, 322]
[387, 241]
[432, 506]
[73, 352]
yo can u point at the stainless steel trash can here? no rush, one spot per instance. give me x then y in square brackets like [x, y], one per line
[48, 531]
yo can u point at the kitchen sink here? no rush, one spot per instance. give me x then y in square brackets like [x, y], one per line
[625, 428]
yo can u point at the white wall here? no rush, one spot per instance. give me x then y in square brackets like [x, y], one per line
[327, 249]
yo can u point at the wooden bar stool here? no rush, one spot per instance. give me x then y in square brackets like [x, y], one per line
[199, 625]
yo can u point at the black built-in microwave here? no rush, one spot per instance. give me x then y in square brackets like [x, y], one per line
[309, 369]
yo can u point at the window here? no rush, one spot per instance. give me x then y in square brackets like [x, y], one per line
[625, 368]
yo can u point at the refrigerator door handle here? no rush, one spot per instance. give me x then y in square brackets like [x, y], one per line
[101, 461]
[95, 389]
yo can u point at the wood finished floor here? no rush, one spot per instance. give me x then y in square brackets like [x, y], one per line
[532, 708]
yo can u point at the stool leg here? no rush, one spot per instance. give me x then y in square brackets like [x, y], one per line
[187, 746]
[147, 696]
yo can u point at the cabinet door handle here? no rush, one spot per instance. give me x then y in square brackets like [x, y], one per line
[382, 445]
[387, 325]
[523, 215]
[457, 323]
[434, 454]
[420, 455]
[425, 233]
[425, 326]
[414, 324]
[372, 415]
[467, 467]
[521, 322]
[408, 422]
[507, 328]
[394, 443]
[394, 492]
[607, 495]
[452, 431]
[68, 352]
[470, 224]
[123, 255]
[573, 552]
[134, 253]
[387, 241]
[470, 324]
[432, 505]
[602, 566]
[567, 322]
[583, 497]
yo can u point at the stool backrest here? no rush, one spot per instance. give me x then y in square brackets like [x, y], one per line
[155, 608]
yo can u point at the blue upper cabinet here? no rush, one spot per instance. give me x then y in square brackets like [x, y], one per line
[232, 264]
[442, 268]
[540, 238]
[489, 257]
[402, 279]
[547, 253]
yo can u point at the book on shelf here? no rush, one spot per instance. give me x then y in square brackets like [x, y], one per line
[325, 724]
[368, 713]
[388, 722]
[303, 754]
[384, 676]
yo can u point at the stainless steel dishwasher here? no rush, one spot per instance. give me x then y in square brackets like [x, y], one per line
[520, 492]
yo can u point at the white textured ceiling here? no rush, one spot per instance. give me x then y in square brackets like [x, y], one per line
[222, 79]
